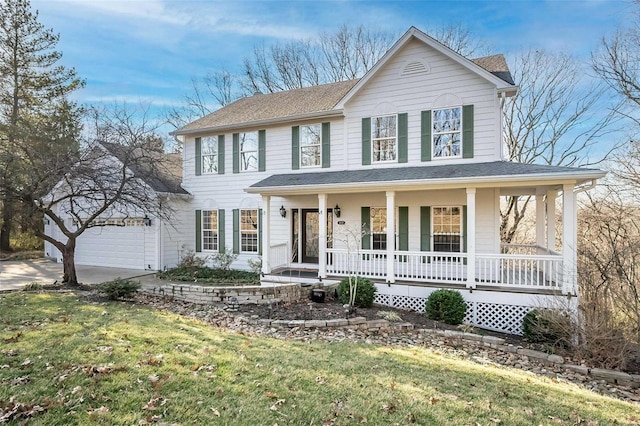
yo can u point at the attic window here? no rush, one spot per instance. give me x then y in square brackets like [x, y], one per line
[415, 67]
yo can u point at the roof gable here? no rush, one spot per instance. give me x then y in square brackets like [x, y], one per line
[492, 68]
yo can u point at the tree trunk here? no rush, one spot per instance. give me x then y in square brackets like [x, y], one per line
[68, 261]
[5, 229]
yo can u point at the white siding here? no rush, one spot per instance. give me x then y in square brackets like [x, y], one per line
[389, 92]
[177, 235]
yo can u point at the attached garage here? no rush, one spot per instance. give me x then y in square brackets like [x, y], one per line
[129, 246]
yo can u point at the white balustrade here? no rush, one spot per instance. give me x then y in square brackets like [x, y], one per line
[530, 271]
[279, 255]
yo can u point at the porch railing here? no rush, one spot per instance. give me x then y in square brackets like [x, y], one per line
[531, 271]
[279, 255]
[518, 270]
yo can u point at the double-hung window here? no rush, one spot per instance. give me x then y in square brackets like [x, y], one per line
[209, 154]
[249, 231]
[447, 229]
[384, 138]
[249, 151]
[310, 145]
[447, 132]
[379, 228]
[210, 230]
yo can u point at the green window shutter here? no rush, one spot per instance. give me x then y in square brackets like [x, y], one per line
[425, 135]
[221, 241]
[366, 141]
[198, 159]
[262, 150]
[403, 138]
[236, 153]
[403, 228]
[425, 228]
[198, 231]
[326, 145]
[464, 229]
[295, 147]
[221, 154]
[260, 232]
[236, 231]
[467, 131]
[365, 221]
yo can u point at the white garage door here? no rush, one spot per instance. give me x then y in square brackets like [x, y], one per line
[112, 246]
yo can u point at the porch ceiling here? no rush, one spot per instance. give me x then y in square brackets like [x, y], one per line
[500, 174]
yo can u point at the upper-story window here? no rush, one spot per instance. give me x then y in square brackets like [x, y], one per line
[311, 145]
[209, 154]
[249, 151]
[384, 138]
[447, 132]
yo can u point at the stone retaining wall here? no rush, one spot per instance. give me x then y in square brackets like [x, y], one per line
[219, 294]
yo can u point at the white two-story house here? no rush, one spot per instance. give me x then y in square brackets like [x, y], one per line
[396, 176]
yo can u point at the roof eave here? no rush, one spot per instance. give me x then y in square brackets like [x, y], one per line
[471, 182]
[259, 123]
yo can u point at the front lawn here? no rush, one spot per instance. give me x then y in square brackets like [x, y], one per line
[67, 361]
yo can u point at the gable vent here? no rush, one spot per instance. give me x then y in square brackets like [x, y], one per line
[415, 67]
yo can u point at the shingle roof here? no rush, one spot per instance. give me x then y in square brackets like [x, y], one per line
[416, 174]
[269, 106]
[163, 176]
[496, 65]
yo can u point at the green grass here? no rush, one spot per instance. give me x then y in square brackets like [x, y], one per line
[120, 364]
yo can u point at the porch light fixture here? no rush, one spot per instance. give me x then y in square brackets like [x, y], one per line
[336, 210]
[146, 221]
[283, 212]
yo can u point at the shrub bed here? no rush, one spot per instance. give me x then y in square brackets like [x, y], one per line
[211, 276]
[446, 305]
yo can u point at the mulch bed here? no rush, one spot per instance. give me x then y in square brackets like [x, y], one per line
[333, 309]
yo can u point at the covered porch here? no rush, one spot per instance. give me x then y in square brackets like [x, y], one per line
[408, 245]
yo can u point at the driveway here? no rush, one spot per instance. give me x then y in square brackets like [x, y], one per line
[15, 274]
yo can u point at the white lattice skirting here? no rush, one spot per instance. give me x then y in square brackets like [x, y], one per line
[502, 312]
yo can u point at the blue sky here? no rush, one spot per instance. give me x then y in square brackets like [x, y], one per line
[148, 50]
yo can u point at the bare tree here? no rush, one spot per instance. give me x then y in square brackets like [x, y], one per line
[557, 117]
[83, 188]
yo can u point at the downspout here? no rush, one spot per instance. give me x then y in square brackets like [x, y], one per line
[586, 187]
[503, 99]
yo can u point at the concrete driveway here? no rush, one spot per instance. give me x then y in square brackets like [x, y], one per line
[14, 274]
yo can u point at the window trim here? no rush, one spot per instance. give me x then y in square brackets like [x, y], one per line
[373, 140]
[432, 232]
[243, 232]
[204, 154]
[434, 134]
[300, 146]
[216, 231]
[241, 151]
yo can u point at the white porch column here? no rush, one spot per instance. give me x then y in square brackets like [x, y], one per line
[322, 236]
[569, 257]
[540, 222]
[471, 237]
[266, 234]
[391, 236]
[551, 219]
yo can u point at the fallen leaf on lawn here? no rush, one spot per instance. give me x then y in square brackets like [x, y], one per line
[270, 395]
[13, 339]
[20, 380]
[496, 420]
[392, 385]
[195, 367]
[76, 389]
[99, 410]
[278, 403]
[433, 400]
[321, 380]
[26, 362]
[153, 378]
[215, 412]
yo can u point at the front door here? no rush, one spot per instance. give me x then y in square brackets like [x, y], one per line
[309, 233]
